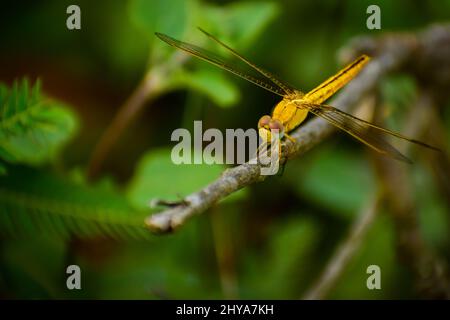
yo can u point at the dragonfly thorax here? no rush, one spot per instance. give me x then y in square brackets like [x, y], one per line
[288, 113]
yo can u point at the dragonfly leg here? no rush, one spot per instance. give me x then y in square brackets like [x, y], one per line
[293, 140]
[281, 171]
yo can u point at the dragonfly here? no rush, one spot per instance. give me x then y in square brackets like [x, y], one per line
[295, 105]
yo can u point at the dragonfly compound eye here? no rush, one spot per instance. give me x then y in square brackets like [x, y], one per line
[276, 124]
[264, 121]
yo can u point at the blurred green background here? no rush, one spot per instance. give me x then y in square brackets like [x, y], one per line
[270, 240]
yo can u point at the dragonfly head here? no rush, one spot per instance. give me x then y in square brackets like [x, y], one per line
[267, 123]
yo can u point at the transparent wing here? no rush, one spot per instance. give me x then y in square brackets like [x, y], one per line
[218, 61]
[366, 132]
[288, 89]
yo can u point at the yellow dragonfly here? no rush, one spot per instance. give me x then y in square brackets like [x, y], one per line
[293, 109]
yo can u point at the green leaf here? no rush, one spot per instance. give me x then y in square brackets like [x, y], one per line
[167, 16]
[336, 179]
[34, 201]
[157, 177]
[240, 22]
[291, 243]
[213, 84]
[33, 128]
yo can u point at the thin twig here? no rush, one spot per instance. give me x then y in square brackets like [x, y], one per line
[308, 136]
[121, 120]
[344, 252]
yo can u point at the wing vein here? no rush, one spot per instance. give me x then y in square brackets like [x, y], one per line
[364, 131]
[288, 89]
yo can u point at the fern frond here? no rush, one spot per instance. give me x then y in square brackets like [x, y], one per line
[33, 128]
[34, 201]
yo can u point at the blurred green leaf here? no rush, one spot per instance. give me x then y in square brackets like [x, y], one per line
[337, 179]
[33, 128]
[166, 16]
[38, 202]
[287, 261]
[211, 83]
[239, 22]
